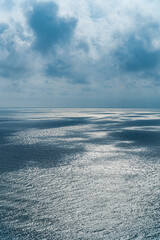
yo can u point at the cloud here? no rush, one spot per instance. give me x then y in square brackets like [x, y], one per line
[65, 70]
[61, 48]
[14, 67]
[49, 29]
[134, 56]
[8, 4]
[14, 55]
[3, 27]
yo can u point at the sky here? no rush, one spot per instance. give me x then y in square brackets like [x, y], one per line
[86, 53]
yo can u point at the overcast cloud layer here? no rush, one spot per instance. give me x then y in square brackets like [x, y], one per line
[89, 53]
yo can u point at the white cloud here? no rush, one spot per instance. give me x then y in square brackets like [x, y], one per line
[93, 59]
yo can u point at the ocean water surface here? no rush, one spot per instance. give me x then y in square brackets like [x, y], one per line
[71, 174]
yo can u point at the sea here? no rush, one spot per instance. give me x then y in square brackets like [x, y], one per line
[79, 174]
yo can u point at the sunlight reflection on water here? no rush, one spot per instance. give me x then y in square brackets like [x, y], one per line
[80, 174]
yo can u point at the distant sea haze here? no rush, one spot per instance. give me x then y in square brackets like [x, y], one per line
[79, 174]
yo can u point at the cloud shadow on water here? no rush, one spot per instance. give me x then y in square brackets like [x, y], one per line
[17, 155]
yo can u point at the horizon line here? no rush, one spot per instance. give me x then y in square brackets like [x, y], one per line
[86, 107]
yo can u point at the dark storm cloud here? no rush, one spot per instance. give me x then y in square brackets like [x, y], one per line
[48, 28]
[136, 56]
[65, 69]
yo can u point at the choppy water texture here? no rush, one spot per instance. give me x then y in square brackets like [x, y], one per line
[71, 174]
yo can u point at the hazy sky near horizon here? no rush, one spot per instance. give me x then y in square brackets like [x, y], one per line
[86, 53]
